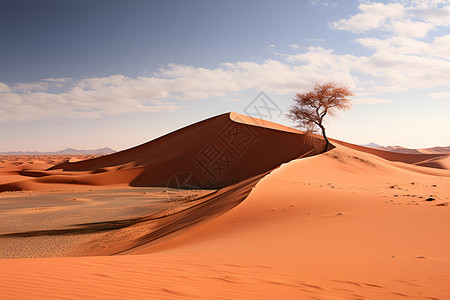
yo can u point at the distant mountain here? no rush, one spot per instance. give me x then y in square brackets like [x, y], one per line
[67, 151]
[400, 149]
[371, 145]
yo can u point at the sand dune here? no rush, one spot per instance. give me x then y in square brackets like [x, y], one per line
[436, 150]
[352, 223]
[213, 153]
[400, 149]
[432, 160]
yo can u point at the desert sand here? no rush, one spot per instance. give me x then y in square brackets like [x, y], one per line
[283, 221]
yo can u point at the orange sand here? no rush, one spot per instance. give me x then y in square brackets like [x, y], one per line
[352, 223]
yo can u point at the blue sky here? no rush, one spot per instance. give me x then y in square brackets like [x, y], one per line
[90, 74]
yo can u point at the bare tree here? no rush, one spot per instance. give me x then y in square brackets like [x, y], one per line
[310, 108]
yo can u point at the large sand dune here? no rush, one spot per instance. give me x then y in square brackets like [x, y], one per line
[352, 223]
[214, 153]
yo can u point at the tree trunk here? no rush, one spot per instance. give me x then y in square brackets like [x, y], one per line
[323, 130]
[326, 139]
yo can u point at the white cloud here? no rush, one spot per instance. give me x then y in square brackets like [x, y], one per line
[426, 4]
[436, 16]
[384, 71]
[4, 87]
[118, 94]
[294, 46]
[373, 16]
[438, 48]
[403, 18]
[89, 98]
[316, 40]
[397, 72]
[411, 29]
[330, 3]
[439, 95]
[401, 59]
[235, 98]
[322, 2]
[41, 105]
[26, 87]
[441, 46]
[43, 85]
[61, 79]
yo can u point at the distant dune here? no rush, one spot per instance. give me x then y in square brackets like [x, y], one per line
[67, 151]
[400, 149]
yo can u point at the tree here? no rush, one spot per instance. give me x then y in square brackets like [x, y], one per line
[310, 108]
